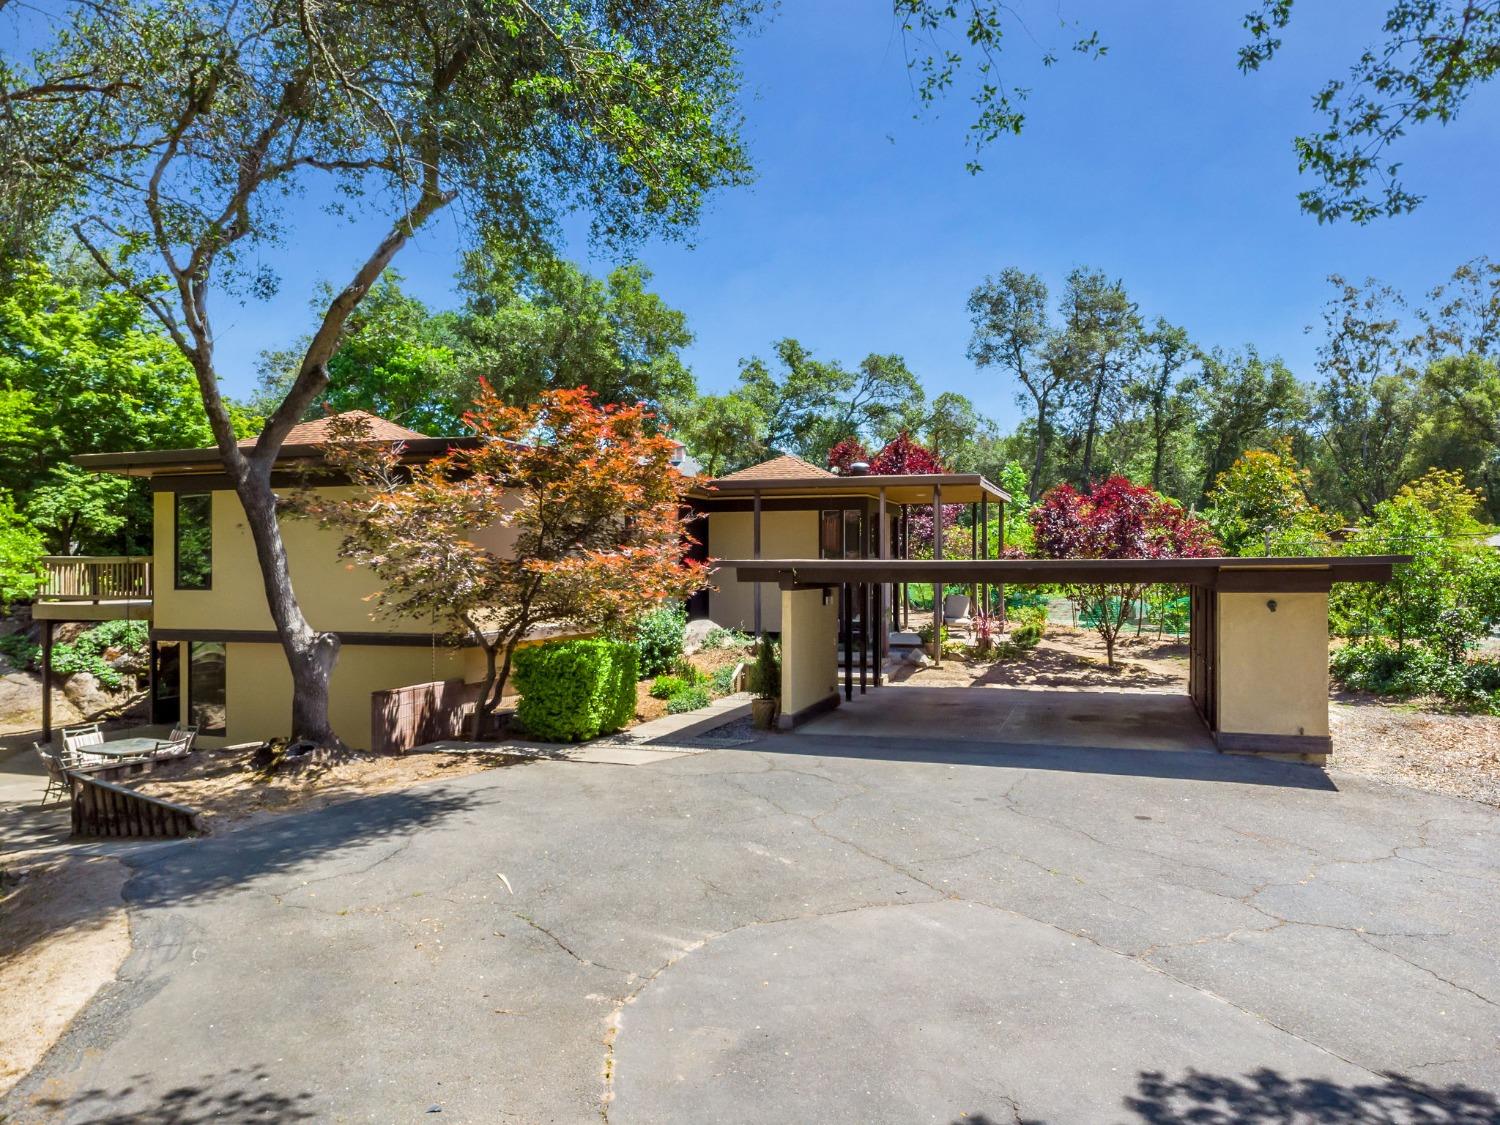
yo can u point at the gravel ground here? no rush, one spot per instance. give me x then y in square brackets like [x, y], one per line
[1454, 754]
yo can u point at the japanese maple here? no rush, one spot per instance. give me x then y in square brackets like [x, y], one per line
[583, 496]
[1116, 520]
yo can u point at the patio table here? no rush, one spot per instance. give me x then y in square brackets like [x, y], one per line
[124, 747]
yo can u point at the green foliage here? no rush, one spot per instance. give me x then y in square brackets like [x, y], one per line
[1026, 636]
[1452, 583]
[575, 690]
[723, 679]
[84, 654]
[690, 698]
[658, 642]
[688, 672]
[765, 673]
[727, 638]
[1029, 617]
[1260, 506]
[1383, 669]
[924, 632]
[20, 548]
[75, 508]
[664, 687]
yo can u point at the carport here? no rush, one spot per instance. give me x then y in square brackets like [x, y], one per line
[1258, 636]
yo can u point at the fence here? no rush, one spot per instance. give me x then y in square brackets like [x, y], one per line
[420, 713]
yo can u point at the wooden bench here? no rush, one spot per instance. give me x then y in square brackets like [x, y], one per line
[102, 808]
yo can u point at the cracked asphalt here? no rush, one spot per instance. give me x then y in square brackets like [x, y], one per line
[815, 929]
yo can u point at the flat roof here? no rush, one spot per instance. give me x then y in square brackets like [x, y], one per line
[900, 488]
[151, 462]
[1222, 573]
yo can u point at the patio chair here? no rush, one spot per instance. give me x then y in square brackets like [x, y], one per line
[57, 779]
[189, 733]
[175, 747]
[75, 742]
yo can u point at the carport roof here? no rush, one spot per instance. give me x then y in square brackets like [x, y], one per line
[1249, 574]
[899, 488]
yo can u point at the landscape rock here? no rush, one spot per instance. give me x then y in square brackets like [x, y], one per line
[86, 693]
[21, 704]
[695, 634]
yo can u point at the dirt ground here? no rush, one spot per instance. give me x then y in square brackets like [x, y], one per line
[63, 936]
[1402, 744]
[707, 661]
[1070, 659]
[223, 787]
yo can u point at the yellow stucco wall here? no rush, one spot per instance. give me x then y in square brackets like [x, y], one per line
[809, 649]
[731, 535]
[1273, 667]
[333, 593]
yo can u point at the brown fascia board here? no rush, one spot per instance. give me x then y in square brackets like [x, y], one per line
[1250, 573]
[145, 462]
[870, 480]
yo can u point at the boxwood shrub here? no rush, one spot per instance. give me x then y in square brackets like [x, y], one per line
[573, 690]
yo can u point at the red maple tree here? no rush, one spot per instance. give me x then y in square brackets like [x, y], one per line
[1116, 520]
[584, 498]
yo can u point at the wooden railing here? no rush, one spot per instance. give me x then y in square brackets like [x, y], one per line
[94, 578]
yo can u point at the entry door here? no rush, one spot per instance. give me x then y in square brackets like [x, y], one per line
[1203, 647]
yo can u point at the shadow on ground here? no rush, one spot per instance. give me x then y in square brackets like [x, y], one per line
[1265, 1097]
[238, 1096]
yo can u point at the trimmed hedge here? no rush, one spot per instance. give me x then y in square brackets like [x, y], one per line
[574, 690]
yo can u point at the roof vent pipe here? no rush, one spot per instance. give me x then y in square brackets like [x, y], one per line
[859, 469]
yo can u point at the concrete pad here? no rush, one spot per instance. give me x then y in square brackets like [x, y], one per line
[602, 753]
[1123, 720]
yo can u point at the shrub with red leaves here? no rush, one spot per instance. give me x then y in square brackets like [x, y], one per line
[1116, 520]
[846, 452]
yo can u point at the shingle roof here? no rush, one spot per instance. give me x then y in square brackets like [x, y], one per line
[785, 467]
[316, 431]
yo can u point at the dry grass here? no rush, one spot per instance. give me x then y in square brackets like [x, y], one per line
[1444, 753]
[223, 787]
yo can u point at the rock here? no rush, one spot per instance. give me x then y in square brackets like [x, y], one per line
[695, 634]
[127, 661]
[21, 704]
[86, 693]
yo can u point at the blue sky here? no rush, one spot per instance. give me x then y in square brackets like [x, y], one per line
[1160, 164]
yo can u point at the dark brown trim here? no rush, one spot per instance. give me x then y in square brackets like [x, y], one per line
[1268, 575]
[269, 637]
[713, 504]
[222, 482]
[1241, 742]
[145, 460]
[811, 711]
[853, 485]
[1276, 581]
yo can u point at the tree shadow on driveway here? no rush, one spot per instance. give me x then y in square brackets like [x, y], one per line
[1265, 1097]
[240, 1095]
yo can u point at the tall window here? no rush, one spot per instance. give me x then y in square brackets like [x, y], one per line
[206, 691]
[831, 535]
[193, 540]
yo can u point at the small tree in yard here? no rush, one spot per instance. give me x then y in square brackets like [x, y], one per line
[1116, 520]
[587, 492]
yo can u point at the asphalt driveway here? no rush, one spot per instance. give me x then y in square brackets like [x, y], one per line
[815, 929]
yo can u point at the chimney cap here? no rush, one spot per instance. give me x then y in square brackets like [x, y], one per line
[859, 469]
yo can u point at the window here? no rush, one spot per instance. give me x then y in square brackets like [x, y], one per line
[854, 524]
[206, 686]
[831, 536]
[166, 704]
[193, 540]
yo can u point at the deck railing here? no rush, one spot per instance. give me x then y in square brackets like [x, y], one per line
[94, 578]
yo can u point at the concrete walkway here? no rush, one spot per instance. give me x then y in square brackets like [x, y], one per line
[815, 929]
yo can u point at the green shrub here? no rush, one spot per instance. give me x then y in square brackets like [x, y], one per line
[765, 673]
[1034, 616]
[664, 687]
[573, 690]
[688, 672]
[723, 679]
[1026, 636]
[1383, 669]
[658, 640]
[727, 638]
[925, 634]
[688, 699]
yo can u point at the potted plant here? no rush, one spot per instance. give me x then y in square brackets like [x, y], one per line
[765, 686]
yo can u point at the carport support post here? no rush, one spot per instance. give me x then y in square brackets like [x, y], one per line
[984, 549]
[864, 633]
[755, 547]
[937, 587]
[847, 613]
[47, 681]
[877, 614]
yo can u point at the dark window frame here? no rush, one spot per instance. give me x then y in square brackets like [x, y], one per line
[192, 714]
[177, 499]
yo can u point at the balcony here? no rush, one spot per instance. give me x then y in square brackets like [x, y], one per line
[94, 588]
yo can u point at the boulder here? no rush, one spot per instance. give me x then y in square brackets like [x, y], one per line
[21, 704]
[695, 634]
[87, 694]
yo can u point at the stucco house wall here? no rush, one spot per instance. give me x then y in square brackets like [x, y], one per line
[731, 535]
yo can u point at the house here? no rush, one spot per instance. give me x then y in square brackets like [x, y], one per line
[216, 660]
[788, 508]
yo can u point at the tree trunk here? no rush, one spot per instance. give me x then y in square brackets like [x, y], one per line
[1041, 449]
[1092, 432]
[309, 654]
